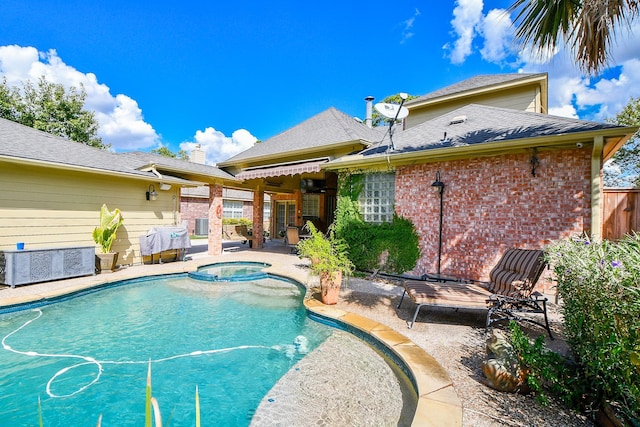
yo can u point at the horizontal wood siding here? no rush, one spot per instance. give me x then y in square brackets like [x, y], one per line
[523, 99]
[621, 213]
[49, 208]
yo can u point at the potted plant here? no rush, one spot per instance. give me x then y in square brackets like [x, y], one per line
[329, 261]
[104, 235]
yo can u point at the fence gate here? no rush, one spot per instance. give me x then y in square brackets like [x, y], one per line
[621, 214]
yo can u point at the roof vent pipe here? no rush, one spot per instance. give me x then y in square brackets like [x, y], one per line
[369, 114]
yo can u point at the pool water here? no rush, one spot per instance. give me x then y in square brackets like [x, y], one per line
[88, 356]
[233, 270]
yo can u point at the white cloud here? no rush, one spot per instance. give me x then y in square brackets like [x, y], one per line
[564, 111]
[496, 28]
[600, 97]
[408, 25]
[466, 16]
[571, 94]
[124, 128]
[121, 122]
[597, 98]
[219, 147]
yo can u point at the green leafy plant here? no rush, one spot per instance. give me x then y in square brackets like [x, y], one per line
[328, 254]
[105, 234]
[390, 247]
[547, 371]
[600, 288]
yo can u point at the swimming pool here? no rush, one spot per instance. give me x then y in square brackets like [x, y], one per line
[234, 271]
[87, 356]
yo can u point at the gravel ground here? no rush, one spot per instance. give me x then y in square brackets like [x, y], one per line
[375, 397]
[456, 339]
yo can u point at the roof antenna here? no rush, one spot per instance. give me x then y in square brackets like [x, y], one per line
[394, 112]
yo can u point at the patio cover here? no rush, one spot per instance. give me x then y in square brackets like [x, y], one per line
[282, 169]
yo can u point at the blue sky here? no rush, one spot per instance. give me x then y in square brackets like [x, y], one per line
[222, 74]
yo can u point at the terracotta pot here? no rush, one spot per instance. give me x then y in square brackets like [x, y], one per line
[330, 287]
[607, 417]
[106, 263]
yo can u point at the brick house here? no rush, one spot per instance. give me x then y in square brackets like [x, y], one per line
[288, 167]
[194, 209]
[236, 203]
[513, 176]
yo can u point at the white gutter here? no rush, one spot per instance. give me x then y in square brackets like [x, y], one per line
[92, 170]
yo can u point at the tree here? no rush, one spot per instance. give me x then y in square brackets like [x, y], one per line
[378, 119]
[624, 168]
[164, 151]
[587, 26]
[51, 108]
[9, 99]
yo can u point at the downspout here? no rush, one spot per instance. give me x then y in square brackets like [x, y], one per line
[596, 189]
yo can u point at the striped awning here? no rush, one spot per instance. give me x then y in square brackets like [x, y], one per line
[282, 169]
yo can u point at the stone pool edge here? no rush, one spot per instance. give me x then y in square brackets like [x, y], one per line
[438, 402]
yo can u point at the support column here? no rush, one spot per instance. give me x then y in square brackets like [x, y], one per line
[215, 220]
[596, 189]
[258, 217]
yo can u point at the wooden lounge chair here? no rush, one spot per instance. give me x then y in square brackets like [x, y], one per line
[508, 293]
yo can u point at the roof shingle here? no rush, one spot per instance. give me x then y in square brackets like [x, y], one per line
[326, 128]
[477, 124]
[23, 142]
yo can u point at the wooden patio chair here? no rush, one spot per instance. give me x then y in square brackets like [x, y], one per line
[293, 237]
[509, 292]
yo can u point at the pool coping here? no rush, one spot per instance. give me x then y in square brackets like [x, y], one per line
[438, 402]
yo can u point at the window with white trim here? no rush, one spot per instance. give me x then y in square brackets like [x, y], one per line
[232, 209]
[377, 197]
[266, 211]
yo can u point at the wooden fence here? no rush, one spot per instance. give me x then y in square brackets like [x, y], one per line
[621, 213]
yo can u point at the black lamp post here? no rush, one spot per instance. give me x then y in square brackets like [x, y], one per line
[439, 187]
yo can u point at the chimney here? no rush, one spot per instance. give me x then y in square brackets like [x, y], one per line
[197, 155]
[369, 115]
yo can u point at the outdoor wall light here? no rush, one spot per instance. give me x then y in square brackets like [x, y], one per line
[437, 184]
[534, 161]
[151, 194]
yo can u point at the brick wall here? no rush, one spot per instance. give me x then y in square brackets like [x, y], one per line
[215, 220]
[192, 208]
[494, 203]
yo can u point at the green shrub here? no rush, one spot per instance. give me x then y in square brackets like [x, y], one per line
[389, 247]
[599, 286]
[548, 373]
[237, 221]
